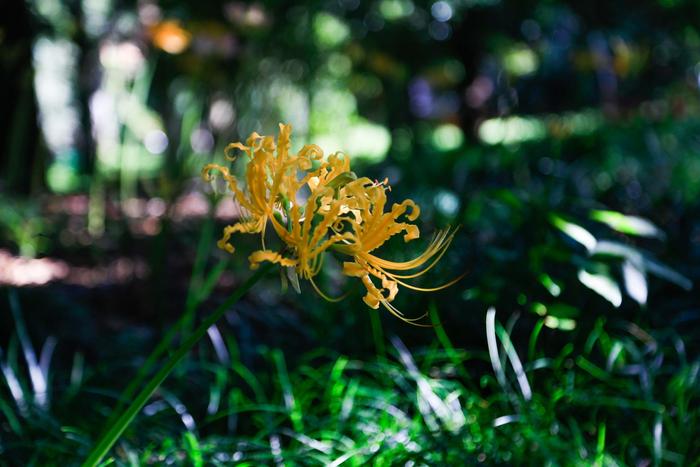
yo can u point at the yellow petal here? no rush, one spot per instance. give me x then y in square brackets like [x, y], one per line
[260, 256]
[230, 156]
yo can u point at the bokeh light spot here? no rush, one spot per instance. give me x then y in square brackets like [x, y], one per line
[329, 30]
[447, 137]
[156, 141]
[441, 11]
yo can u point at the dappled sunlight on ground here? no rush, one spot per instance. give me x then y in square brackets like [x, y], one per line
[22, 272]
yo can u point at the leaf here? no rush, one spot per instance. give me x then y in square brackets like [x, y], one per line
[631, 225]
[610, 248]
[603, 285]
[562, 310]
[493, 330]
[576, 232]
[665, 272]
[562, 324]
[642, 262]
[341, 180]
[115, 428]
[293, 278]
[551, 286]
[635, 282]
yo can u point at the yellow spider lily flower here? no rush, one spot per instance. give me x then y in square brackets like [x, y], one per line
[340, 213]
[371, 229]
[271, 180]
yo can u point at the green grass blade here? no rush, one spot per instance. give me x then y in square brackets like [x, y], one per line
[445, 341]
[532, 344]
[114, 432]
[600, 446]
[192, 302]
[290, 402]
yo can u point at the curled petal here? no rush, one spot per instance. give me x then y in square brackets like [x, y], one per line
[253, 139]
[260, 256]
[207, 169]
[391, 287]
[240, 146]
[412, 232]
[415, 210]
[250, 226]
[373, 296]
[267, 144]
[399, 209]
[311, 152]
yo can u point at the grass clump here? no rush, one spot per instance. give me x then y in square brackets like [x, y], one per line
[614, 395]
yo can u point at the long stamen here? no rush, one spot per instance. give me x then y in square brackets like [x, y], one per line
[412, 321]
[442, 241]
[324, 296]
[438, 245]
[428, 289]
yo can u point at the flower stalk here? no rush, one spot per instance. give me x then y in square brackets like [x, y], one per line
[120, 424]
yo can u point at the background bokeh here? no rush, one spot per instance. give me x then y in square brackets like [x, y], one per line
[561, 137]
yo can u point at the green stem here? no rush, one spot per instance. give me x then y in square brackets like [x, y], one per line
[377, 333]
[118, 427]
[444, 339]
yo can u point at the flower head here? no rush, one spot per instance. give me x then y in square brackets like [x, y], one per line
[271, 179]
[317, 206]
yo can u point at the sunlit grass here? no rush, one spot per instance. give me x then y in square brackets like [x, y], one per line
[615, 396]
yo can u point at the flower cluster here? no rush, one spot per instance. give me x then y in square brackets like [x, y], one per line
[316, 205]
